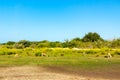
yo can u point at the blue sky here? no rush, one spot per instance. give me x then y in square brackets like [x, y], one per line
[57, 20]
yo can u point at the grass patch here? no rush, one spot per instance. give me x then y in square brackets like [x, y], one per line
[80, 65]
[78, 61]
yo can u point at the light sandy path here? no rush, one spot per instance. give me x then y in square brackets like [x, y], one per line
[36, 73]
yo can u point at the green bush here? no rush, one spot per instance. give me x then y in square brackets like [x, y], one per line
[62, 55]
[117, 52]
[2, 53]
[38, 54]
[91, 51]
[103, 52]
[10, 52]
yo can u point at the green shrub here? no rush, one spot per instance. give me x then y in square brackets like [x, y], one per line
[106, 56]
[62, 55]
[2, 53]
[38, 54]
[103, 52]
[10, 53]
[90, 52]
[112, 55]
[97, 55]
[117, 52]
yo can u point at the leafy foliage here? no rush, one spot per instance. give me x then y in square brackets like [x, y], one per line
[115, 43]
[89, 41]
[92, 37]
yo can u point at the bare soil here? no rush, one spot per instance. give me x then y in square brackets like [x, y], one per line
[43, 73]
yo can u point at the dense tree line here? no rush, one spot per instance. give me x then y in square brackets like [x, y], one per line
[90, 40]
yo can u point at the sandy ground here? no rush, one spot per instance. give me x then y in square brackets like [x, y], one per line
[38, 73]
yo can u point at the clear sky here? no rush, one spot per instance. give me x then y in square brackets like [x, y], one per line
[57, 20]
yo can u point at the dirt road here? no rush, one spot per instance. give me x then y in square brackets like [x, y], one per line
[38, 73]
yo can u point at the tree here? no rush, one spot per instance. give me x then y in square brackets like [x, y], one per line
[76, 39]
[115, 43]
[22, 44]
[43, 43]
[10, 43]
[92, 37]
[65, 43]
[75, 43]
[55, 44]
